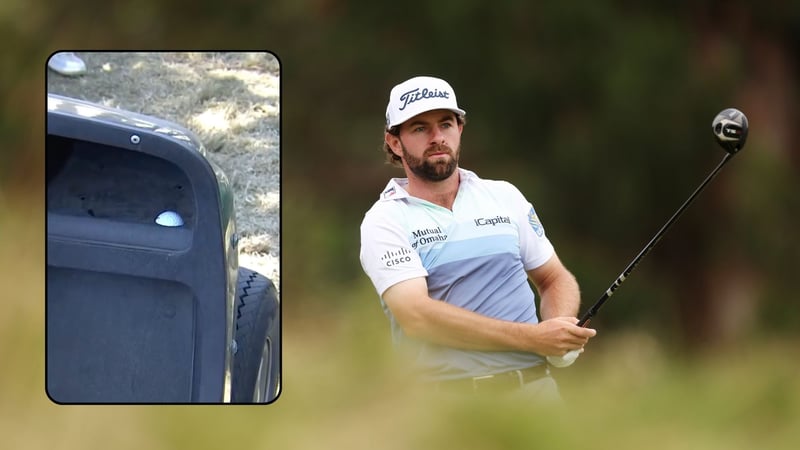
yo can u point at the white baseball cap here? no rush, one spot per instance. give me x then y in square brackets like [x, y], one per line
[419, 95]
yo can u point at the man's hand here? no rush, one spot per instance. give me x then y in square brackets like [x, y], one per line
[560, 335]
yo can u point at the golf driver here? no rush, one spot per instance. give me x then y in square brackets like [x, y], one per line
[730, 129]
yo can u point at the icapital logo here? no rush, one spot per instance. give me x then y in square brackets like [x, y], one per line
[393, 258]
[492, 221]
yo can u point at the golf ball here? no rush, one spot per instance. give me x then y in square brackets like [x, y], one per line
[169, 219]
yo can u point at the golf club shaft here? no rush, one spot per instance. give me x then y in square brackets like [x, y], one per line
[625, 273]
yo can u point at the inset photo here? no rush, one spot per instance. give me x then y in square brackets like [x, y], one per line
[163, 227]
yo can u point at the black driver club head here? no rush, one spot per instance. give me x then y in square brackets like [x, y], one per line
[730, 128]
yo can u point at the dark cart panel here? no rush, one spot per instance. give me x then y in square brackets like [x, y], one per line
[122, 329]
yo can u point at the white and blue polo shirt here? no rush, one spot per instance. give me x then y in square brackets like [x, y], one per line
[475, 257]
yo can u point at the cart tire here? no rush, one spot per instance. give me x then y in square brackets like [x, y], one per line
[256, 361]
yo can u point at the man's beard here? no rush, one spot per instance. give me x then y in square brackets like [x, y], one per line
[438, 170]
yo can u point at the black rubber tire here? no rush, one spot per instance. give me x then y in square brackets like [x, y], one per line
[257, 317]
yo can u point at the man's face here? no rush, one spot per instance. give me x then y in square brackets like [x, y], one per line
[429, 144]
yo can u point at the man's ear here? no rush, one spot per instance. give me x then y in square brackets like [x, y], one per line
[394, 144]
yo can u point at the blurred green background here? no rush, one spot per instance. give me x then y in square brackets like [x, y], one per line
[599, 112]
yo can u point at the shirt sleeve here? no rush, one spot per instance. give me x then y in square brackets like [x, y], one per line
[535, 248]
[386, 254]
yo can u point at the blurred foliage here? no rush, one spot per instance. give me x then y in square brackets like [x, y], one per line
[598, 111]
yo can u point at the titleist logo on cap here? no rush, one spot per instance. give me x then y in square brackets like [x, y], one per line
[415, 94]
[405, 99]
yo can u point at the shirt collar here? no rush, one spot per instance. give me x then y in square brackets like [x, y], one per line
[396, 188]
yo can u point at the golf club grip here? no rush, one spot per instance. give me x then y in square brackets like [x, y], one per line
[618, 282]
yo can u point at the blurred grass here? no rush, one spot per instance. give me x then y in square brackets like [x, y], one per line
[344, 388]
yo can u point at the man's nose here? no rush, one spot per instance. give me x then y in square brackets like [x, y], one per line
[438, 136]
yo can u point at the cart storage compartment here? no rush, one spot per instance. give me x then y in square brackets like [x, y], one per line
[86, 179]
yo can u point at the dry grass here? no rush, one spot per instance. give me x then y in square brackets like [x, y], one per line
[230, 100]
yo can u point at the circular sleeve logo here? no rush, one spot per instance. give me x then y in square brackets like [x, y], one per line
[535, 224]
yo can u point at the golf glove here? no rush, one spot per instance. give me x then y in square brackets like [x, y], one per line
[566, 360]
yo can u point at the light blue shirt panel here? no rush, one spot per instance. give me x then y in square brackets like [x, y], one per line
[507, 297]
[493, 284]
[459, 250]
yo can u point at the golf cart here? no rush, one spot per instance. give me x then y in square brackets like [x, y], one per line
[145, 300]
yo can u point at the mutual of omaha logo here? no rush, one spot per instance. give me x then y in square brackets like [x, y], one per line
[427, 236]
[535, 224]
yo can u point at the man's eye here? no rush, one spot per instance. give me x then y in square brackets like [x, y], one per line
[419, 129]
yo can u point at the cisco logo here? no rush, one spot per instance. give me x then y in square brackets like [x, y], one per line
[394, 258]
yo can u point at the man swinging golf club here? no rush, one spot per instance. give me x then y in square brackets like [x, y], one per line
[450, 255]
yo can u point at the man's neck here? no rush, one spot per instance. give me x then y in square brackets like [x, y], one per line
[442, 193]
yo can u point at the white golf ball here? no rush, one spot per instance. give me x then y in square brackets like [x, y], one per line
[169, 219]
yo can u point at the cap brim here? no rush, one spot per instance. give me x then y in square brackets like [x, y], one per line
[402, 120]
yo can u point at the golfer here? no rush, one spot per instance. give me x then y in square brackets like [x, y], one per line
[450, 255]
